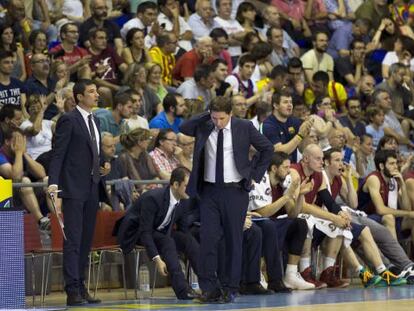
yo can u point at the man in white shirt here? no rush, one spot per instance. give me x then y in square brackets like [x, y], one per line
[202, 22]
[145, 20]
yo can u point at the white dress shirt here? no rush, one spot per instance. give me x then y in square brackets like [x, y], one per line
[171, 207]
[85, 114]
[231, 174]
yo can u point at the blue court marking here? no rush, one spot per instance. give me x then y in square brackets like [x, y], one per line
[298, 298]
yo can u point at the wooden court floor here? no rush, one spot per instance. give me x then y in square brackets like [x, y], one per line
[350, 299]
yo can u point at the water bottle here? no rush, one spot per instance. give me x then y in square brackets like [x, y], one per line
[144, 278]
[193, 280]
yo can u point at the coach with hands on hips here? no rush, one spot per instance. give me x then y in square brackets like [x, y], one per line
[222, 176]
[75, 170]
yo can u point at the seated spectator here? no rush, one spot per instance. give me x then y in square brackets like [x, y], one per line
[135, 51]
[8, 43]
[374, 11]
[322, 86]
[276, 80]
[134, 161]
[38, 44]
[17, 165]
[317, 59]
[375, 127]
[113, 121]
[296, 75]
[41, 83]
[350, 69]
[392, 126]
[200, 86]
[37, 130]
[170, 20]
[99, 19]
[403, 52]
[202, 22]
[154, 81]
[75, 57]
[12, 90]
[341, 41]
[232, 27]
[263, 111]
[353, 119]
[165, 154]
[241, 82]
[171, 117]
[365, 164]
[220, 44]
[11, 117]
[271, 18]
[163, 55]
[239, 106]
[280, 54]
[105, 64]
[316, 15]
[364, 91]
[136, 80]
[135, 120]
[283, 130]
[221, 87]
[401, 98]
[340, 14]
[260, 52]
[145, 20]
[188, 62]
[186, 143]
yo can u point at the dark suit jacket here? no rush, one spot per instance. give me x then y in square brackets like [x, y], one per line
[244, 135]
[145, 216]
[72, 160]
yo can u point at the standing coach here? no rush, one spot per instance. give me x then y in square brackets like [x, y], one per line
[222, 176]
[75, 170]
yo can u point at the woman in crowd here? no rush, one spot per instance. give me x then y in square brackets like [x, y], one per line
[135, 51]
[8, 43]
[154, 80]
[38, 44]
[134, 160]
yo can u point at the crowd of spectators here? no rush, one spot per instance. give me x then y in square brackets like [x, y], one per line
[338, 73]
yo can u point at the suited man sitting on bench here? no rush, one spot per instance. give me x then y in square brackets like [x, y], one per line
[149, 222]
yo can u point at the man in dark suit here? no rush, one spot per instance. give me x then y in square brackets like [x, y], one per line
[149, 223]
[75, 170]
[222, 176]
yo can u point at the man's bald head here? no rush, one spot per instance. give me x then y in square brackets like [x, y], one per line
[313, 158]
[312, 149]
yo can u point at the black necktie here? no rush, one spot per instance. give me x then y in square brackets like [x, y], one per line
[219, 159]
[95, 168]
[171, 221]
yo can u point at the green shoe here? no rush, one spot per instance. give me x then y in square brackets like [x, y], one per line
[391, 279]
[368, 279]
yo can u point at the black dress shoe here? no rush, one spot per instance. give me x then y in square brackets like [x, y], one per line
[253, 289]
[89, 298]
[210, 297]
[190, 295]
[279, 287]
[228, 296]
[75, 300]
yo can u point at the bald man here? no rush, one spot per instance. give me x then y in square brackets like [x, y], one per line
[201, 54]
[202, 21]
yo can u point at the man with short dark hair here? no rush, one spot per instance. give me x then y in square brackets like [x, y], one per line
[353, 119]
[76, 58]
[75, 170]
[150, 221]
[99, 19]
[112, 121]
[220, 44]
[171, 117]
[146, 20]
[282, 129]
[280, 55]
[12, 90]
[222, 176]
[317, 58]
[239, 106]
[200, 86]
[11, 117]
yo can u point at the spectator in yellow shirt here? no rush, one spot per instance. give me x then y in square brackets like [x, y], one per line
[163, 55]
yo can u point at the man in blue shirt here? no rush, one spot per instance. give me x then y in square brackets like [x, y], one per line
[171, 117]
[283, 130]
